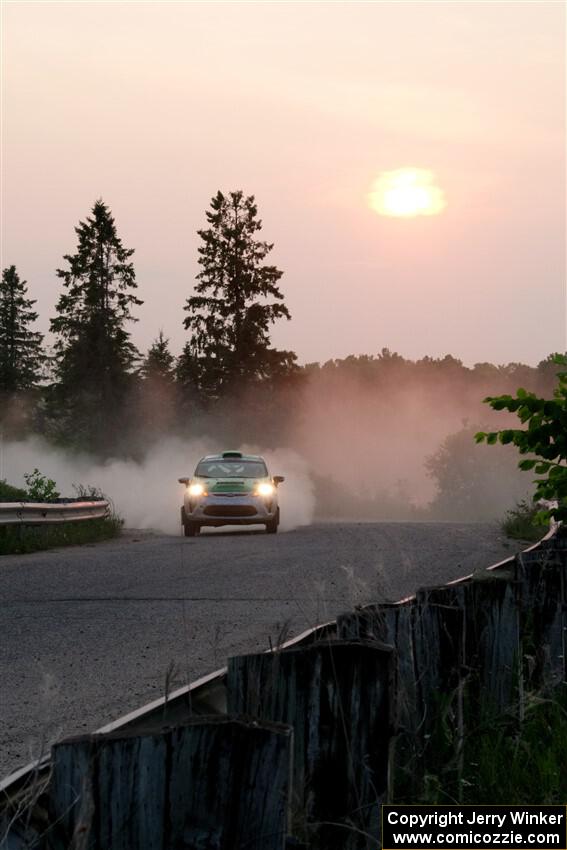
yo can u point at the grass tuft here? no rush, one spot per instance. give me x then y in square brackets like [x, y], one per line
[503, 761]
[506, 765]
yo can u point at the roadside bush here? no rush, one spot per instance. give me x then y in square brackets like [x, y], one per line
[545, 437]
[40, 487]
[11, 494]
[524, 522]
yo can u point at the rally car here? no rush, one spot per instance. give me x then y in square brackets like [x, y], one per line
[230, 489]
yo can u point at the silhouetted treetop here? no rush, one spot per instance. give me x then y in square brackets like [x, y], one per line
[237, 300]
[21, 354]
[159, 362]
[94, 354]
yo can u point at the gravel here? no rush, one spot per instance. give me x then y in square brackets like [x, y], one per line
[91, 633]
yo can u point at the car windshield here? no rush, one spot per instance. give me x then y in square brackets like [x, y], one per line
[231, 469]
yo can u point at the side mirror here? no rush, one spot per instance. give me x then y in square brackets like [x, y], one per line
[278, 479]
[184, 480]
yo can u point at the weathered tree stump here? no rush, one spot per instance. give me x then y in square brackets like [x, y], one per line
[215, 783]
[439, 649]
[439, 641]
[457, 654]
[393, 624]
[542, 576]
[337, 697]
[492, 651]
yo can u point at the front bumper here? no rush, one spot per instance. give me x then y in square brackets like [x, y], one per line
[224, 509]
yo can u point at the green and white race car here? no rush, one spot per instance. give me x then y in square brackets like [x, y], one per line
[230, 489]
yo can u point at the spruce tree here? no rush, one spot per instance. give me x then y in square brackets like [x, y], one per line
[237, 300]
[157, 391]
[159, 363]
[94, 354]
[21, 355]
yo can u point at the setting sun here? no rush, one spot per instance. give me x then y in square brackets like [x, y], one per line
[406, 192]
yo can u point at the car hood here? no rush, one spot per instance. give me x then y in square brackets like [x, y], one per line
[217, 486]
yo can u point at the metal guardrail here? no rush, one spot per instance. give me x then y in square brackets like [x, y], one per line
[47, 513]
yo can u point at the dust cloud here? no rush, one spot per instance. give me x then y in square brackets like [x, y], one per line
[147, 494]
[360, 439]
[370, 442]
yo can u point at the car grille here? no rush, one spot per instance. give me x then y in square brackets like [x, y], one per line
[231, 488]
[229, 510]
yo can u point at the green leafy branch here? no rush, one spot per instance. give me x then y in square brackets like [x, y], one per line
[40, 488]
[545, 437]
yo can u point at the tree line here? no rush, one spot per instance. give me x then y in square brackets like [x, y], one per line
[94, 391]
[95, 382]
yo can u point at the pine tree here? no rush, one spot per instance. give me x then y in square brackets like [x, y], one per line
[21, 355]
[159, 363]
[237, 300]
[157, 391]
[94, 354]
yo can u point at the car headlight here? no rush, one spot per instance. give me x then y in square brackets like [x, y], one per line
[196, 490]
[265, 489]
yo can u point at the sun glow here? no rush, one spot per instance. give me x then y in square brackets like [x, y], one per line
[406, 192]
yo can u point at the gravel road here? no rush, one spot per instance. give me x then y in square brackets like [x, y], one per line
[90, 633]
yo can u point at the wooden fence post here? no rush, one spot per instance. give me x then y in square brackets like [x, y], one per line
[337, 697]
[215, 783]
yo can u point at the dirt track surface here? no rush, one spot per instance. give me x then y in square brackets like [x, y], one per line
[90, 633]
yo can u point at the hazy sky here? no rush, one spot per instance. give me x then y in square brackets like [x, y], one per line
[155, 106]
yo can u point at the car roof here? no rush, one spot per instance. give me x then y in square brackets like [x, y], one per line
[232, 456]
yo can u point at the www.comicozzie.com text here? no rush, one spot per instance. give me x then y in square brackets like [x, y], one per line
[459, 839]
